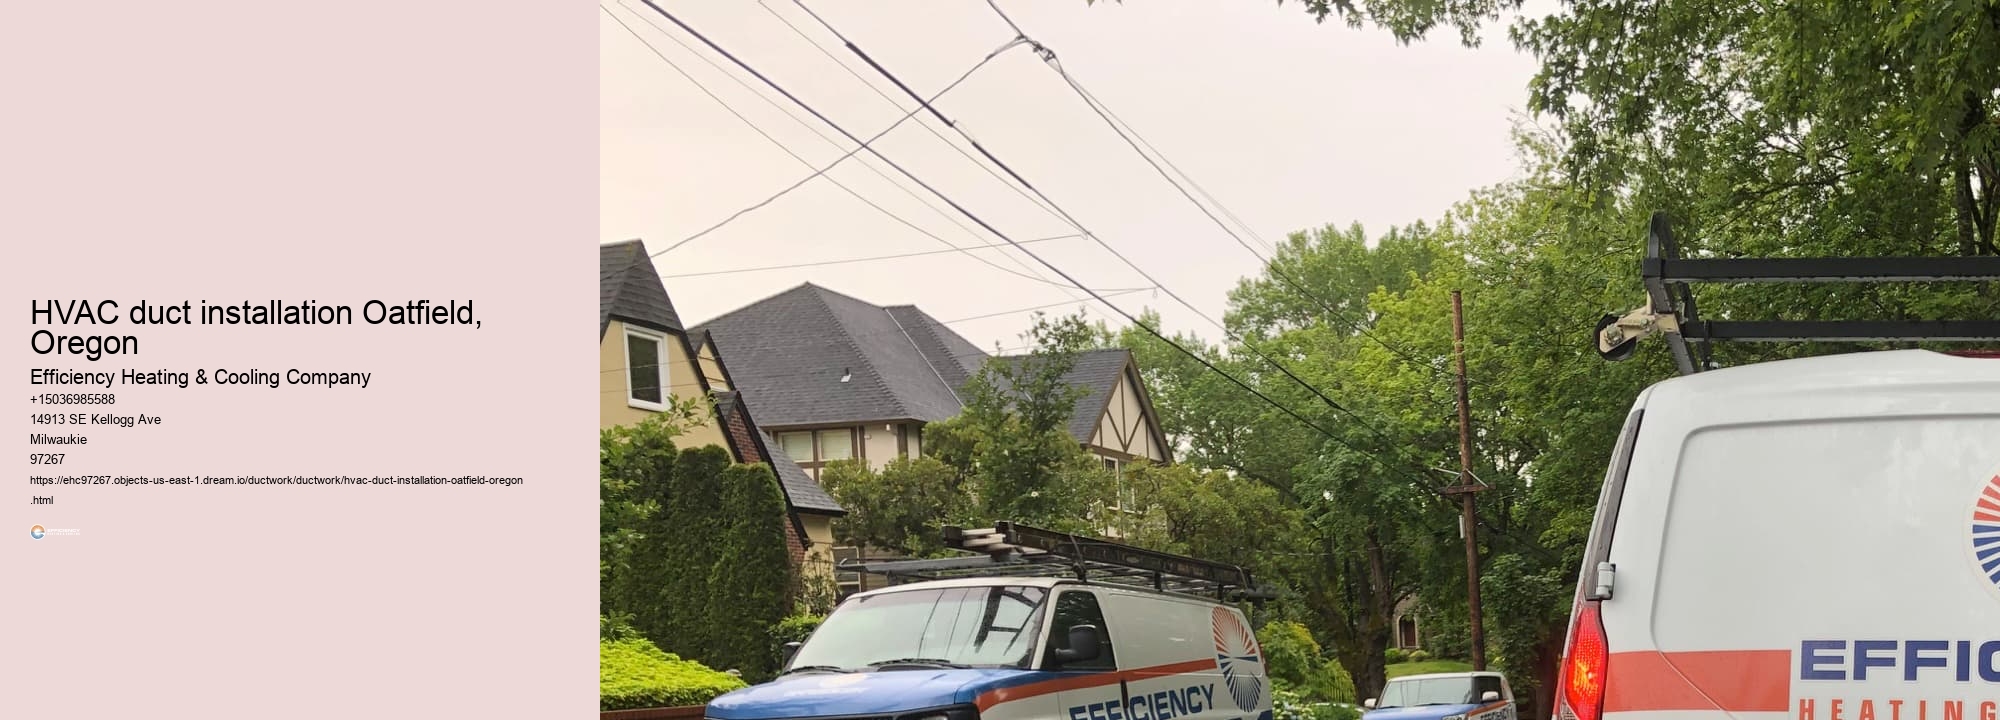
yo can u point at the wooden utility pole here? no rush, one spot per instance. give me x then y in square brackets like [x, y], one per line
[1468, 517]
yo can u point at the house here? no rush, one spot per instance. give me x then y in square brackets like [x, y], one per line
[832, 378]
[646, 359]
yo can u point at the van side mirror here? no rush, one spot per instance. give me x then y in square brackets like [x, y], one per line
[790, 651]
[1489, 696]
[1369, 703]
[1085, 644]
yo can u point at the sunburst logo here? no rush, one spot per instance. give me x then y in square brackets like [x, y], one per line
[37, 532]
[1241, 662]
[1986, 532]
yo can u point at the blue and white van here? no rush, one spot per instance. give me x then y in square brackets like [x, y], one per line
[1444, 696]
[1017, 648]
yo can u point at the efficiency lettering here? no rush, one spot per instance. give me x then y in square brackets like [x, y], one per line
[1162, 705]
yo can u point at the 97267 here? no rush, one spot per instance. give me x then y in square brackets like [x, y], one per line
[45, 458]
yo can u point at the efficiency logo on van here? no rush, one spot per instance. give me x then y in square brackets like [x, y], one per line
[1986, 532]
[1236, 654]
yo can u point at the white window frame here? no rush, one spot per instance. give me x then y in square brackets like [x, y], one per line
[666, 387]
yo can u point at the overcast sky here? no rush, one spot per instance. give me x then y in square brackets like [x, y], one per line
[1288, 123]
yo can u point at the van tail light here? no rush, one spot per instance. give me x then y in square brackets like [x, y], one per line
[1584, 667]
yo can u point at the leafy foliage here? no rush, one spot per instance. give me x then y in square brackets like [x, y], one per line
[1010, 448]
[898, 509]
[747, 586]
[634, 673]
[699, 565]
[1293, 660]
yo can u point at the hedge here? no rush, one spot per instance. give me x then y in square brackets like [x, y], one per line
[633, 674]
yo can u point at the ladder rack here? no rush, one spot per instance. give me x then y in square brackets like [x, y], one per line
[1670, 310]
[1011, 549]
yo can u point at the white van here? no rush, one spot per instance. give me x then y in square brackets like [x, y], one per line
[1814, 538]
[1017, 648]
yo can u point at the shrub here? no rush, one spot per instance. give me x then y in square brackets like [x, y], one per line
[1290, 653]
[1331, 683]
[748, 583]
[795, 628]
[1419, 656]
[792, 629]
[1395, 655]
[634, 674]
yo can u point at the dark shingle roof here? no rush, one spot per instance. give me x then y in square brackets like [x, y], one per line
[629, 289]
[806, 494]
[788, 352]
[1097, 372]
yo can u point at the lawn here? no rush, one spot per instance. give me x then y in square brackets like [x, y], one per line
[1428, 666]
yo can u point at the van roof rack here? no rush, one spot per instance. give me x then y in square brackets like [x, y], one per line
[1670, 310]
[1010, 549]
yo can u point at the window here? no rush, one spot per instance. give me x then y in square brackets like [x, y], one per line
[798, 445]
[1079, 607]
[836, 444]
[1110, 464]
[813, 449]
[991, 626]
[645, 370]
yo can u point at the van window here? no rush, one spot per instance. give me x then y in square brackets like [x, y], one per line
[1448, 690]
[1483, 684]
[993, 626]
[1079, 607]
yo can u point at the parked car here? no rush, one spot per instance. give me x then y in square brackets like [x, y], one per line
[1025, 648]
[1481, 695]
[1816, 539]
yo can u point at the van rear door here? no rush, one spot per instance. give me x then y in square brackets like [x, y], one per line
[1825, 546]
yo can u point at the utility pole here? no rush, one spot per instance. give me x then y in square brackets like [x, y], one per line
[1468, 517]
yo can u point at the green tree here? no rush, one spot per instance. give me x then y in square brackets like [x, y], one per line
[747, 586]
[630, 457]
[1010, 446]
[898, 509]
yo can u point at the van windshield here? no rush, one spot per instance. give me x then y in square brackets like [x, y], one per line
[1428, 691]
[991, 626]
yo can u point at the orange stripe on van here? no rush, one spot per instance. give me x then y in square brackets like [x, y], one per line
[1080, 681]
[1727, 680]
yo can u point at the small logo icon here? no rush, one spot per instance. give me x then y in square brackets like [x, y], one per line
[1986, 532]
[1237, 655]
[36, 532]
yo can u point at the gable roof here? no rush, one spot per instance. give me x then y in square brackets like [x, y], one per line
[629, 289]
[1098, 373]
[789, 352]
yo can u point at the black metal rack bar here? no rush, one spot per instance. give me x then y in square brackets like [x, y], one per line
[1014, 550]
[1670, 310]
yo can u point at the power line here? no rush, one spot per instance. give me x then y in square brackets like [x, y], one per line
[996, 231]
[795, 156]
[815, 45]
[1104, 113]
[873, 258]
[1004, 167]
[1418, 478]
[822, 135]
[843, 158]
[1107, 293]
[899, 106]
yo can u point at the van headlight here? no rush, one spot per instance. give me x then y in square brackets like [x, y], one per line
[1460, 716]
[955, 712]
